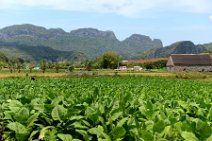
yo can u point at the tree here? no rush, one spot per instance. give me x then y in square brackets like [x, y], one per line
[3, 60]
[2, 65]
[57, 67]
[11, 64]
[31, 66]
[109, 60]
[43, 65]
[208, 51]
[88, 65]
[71, 68]
[155, 65]
[19, 64]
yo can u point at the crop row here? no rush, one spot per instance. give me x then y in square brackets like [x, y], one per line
[128, 108]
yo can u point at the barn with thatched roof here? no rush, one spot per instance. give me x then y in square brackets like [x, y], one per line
[189, 62]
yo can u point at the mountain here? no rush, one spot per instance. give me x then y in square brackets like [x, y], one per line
[37, 53]
[135, 41]
[208, 46]
[35, 42]
[182, 47]
[92, 42]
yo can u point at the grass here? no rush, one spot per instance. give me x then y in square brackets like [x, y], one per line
[26, 74]
[51, 73]
[191, 75]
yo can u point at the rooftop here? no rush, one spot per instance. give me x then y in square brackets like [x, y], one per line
[191, 59]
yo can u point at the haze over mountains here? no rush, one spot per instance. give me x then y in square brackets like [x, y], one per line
[35, 43]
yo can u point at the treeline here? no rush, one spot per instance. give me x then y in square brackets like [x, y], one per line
[108, 60]
[113, 60]
[16, 64]
[151, 65]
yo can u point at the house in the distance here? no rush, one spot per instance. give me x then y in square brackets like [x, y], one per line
[189, 62]
[127, 62]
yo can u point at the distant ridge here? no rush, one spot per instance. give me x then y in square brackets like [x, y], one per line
[182, 47]
[90, 41]
[86, 43]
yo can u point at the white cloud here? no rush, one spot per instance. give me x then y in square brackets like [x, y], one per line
[122, 7]
[195, 5]
[210, 17]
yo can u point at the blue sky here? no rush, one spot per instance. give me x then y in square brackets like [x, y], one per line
[170, 21]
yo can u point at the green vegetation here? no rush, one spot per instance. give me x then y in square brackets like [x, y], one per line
[129, 108]
[182, 47]
[107, 60]
[161, 64]
[33, 42]
[91, 42]
[155, 65]
[191, 75]
[37, 53]
[15, 64]
[208, 46]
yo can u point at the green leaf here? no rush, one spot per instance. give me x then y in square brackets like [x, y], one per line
[32, 119]
[50, 135]
[183, 104]
[118, 132]
[203, 129]
[59, 113]
[149, 125]
[78, 125]
[92, 114]
[57, 100]
[184, 126]
[146, 136]
[209, 116]
[159, 126]
[44, 131]
[209, 139]
[201, 112]
[76, 117]
[167, 132]
[17, 127]
[84, 134]
[102, 109]
[86, 123]
[32, 134]
[122, 121]
[22, 115]
[189, 136]
[99, 132]
[15, 105]
[116, 115]
[21, 131]
[9, 115]
[38, 105]
[65, 137]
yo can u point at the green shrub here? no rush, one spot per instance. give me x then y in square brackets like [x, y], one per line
[190, 75]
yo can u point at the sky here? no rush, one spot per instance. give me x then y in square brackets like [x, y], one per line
[168, 20]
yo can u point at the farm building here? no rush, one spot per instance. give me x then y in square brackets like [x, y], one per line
[189, 62]
[127, 62]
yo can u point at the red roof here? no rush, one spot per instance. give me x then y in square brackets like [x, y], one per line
[189, 60]
[143, 61]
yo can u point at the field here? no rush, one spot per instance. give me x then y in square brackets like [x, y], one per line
[105, 108]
